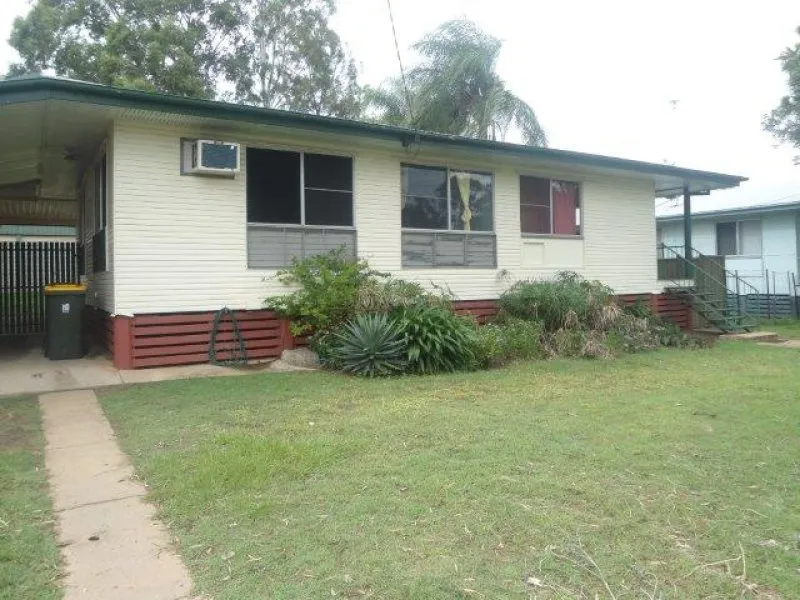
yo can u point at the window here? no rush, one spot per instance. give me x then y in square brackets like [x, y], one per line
[549, 206]
[739, 238]
[298, 205]
[296, 188]
[442, 199]
[448, 218]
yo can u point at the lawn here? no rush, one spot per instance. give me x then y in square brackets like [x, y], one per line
[673, 474]
[787, 328]
[29, 565]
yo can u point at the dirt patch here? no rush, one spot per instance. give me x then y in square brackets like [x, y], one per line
[19, 425]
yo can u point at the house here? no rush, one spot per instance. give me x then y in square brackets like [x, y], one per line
[185, 206]
[759, 243]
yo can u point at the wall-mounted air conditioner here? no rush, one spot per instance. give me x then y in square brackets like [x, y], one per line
[214, 158]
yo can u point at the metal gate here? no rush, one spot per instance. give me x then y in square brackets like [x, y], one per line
[25, 268]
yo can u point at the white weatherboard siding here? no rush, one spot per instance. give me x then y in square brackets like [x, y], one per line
[180, 241]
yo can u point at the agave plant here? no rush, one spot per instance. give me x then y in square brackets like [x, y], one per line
[370, 346]
[436, 339]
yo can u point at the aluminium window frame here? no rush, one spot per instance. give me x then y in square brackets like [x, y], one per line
[738, 237]
[551, 235]
[302, 153]
[448, 170]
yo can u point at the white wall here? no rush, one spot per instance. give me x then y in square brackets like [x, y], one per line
[779, 241]
[180, 241]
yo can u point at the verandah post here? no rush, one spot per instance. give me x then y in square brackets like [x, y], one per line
[687, 231]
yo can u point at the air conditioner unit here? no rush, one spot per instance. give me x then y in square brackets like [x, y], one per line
[214, 158]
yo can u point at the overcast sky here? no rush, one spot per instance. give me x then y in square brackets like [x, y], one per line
[686, 81]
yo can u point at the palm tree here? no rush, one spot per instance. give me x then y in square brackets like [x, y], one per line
[457, 90]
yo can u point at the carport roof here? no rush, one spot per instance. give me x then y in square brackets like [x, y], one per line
[669, 180]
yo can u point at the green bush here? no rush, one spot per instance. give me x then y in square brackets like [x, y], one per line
[387, 295]
[369, 346]
[327, 291]
[552, 302]
[511, 339]
[436, 339]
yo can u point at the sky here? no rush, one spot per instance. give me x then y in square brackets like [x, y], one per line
[685, 81]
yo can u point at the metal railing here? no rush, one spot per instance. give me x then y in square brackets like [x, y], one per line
[709, 291]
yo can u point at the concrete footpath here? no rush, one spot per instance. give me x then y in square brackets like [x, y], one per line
[110, 543]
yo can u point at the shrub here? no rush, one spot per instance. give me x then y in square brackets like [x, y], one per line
[436, 339]
[385, 296]
[370, 346]
[327, 291]
[508, 340]
[551, 302]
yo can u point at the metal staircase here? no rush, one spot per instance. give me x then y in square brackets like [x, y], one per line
[702, 282]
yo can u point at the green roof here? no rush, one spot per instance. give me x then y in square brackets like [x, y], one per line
[40, 87]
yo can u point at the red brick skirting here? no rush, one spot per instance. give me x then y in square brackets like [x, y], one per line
[183, 338]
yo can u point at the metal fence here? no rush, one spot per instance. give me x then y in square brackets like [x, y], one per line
[25, 268]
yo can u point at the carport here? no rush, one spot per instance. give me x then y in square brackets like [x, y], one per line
[47, 144]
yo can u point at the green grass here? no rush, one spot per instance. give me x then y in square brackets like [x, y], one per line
[784, 327]
[540, 480]
[29, 565]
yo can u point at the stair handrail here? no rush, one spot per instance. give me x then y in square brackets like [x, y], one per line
[742, 311]
[697, 254]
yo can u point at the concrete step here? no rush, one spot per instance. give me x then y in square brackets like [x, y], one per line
[753, 336]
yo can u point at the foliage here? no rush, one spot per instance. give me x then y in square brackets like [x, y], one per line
[436, 339]
[551, 302]
[326, 294]
[581, 318]
[503, 342]
[290, 58]
[387, 295]
[274, 53]
[456, 89]
[171, 46]
[784, 121]
[370, 346]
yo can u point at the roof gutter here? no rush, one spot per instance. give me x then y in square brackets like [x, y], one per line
[30, 89]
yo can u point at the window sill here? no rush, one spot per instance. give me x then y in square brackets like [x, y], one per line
[450, 267]
[550, 236]
[446, 231]
[300, 227]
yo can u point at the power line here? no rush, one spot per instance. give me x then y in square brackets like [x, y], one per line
[400, 61]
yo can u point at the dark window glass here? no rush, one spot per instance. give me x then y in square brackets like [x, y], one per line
[534, 204]
[424, 213]
[726, 239]
[325, 207]
[471, 201]
[273, 186]
[329, 172]
[424, 198]
[428, 182]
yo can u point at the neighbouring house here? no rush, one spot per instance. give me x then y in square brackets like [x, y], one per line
[185, 206]
[759, 243]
